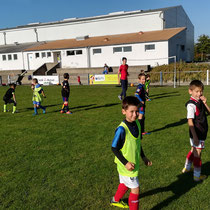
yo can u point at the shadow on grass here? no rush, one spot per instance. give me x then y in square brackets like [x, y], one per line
[182, 185]
[98, 107]
[171, 125]
[163, 94]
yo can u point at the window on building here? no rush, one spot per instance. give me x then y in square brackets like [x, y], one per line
[36, 55]
[78, 52]
[9, 57]
[43, 54]
[96, 51]
[183, 47]
[15, 57]
[48, 54]
[4, 57]
[127, 49]
[149, 47]
[117, 49]
[70, 52]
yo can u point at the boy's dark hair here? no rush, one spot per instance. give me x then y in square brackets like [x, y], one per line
[130, 101]
[12, 85]
[147, 76]
[196, 83]
[35, 80]
[141, 75]
[124, 58]
[66, 76]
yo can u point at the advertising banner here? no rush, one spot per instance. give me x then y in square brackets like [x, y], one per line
[103, 79]
[47, 80]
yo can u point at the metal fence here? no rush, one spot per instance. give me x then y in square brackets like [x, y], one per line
[182, 77]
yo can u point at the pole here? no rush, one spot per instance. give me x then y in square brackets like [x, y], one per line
[174, 71]
[207, 77]
[161, 78]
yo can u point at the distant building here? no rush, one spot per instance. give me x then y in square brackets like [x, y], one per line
[144, 37]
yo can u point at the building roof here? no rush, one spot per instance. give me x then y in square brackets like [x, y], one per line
[14, 48]
[74, 19]
[141, 37]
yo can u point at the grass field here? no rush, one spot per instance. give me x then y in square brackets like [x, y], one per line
[57, 161]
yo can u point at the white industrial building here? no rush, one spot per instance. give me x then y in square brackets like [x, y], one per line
[144, 37]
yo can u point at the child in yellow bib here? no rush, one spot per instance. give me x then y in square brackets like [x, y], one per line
[126, 146]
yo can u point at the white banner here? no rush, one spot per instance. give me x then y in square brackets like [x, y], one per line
[47, 80]
[99, 77]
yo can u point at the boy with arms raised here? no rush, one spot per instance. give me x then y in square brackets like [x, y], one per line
[9, 98]
[127, 148]
[198, 127]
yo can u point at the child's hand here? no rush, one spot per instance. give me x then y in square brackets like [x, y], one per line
[130, 166]
[203, 99]
[147, 162]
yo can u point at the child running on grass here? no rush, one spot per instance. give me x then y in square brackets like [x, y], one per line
[9, 98]
[141, 95]
[65, 92]
[198, 126]
[127, 148]
[37, 98]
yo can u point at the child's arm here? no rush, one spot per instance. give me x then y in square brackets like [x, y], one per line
[138, 91]
[204, 99]
[192, 129]
[118, 76]
[147, 162]
[43, 93]
[14, 98]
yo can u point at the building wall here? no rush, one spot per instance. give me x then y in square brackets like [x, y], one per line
[138, 56]
[11, 64]
[32, 62]
[176, 17]
[177, 46]
[96, 27]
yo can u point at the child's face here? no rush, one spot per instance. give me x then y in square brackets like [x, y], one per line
[131, 113]
[196, 92]
[124, 61]
[142, 80]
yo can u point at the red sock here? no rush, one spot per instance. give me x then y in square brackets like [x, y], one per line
[122, 189]
[190, 156]
[133, 201]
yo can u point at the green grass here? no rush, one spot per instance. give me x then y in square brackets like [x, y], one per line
[57, 161]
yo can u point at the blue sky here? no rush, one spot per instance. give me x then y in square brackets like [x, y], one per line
[21, 12]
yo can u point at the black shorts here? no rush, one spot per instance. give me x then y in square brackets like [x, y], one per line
[8, 101]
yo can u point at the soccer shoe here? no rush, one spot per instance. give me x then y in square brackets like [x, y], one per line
[184, 170]
[119, 204]
[200, 178]
[148, 99]
[120, 97]
[34, 114]
[68, 112]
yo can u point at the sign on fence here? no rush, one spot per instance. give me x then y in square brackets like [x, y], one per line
[103, 79]
[47, 80]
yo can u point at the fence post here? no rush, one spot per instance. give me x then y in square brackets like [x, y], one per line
[161, 78]
[207, 77]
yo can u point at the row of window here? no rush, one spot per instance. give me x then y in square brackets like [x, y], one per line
[43, 55]
[9, 57]
[80, 52]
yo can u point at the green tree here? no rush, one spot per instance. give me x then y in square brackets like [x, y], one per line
[202, 47]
